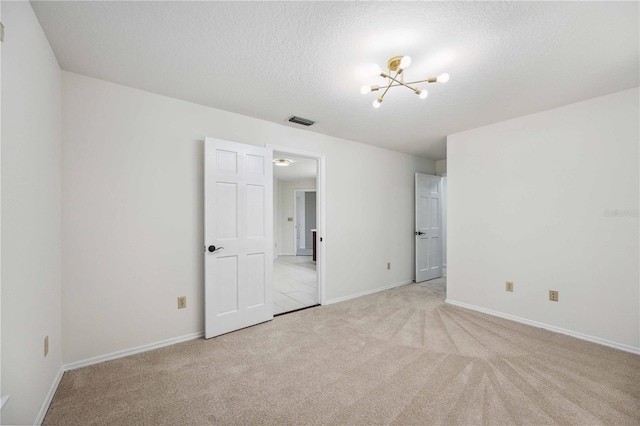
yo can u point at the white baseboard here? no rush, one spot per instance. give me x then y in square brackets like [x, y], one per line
[577, 335]
[49, 397]
[108, 357]
[132, 351]
[365, 293]
[286, 254]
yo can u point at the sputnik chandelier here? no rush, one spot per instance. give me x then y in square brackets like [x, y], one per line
[398, 64]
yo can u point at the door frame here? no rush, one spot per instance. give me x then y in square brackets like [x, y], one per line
[428, 230]
[443, 211]
[321, 212]
[295, 216]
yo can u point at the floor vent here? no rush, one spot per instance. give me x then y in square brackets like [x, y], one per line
[300, 120]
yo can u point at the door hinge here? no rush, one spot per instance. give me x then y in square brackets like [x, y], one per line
[1, 32]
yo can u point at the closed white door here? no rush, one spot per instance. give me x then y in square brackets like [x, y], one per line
[238, 236]
[428, 232]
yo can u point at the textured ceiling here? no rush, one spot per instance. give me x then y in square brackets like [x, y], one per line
[270, 60]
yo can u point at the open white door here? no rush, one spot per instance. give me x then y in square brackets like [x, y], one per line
[428, 227]
[238, 234]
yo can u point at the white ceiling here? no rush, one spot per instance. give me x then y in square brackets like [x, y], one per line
[300, 168]
[270, 60]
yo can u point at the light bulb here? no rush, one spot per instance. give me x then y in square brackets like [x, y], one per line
[376, 70]
[365, 89]
[405, 62]
[423, 94]
[376, 103]
[443, 78]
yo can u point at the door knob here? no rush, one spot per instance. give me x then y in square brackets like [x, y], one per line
[213, 248]
[420, 233]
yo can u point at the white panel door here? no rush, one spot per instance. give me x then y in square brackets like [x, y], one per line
[238, 236]
[428, 227]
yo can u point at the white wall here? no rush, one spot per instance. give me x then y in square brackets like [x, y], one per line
[285, 210]
[527, 203]
[31, 205]
[132, 213]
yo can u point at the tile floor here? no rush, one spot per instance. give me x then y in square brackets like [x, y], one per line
[295, 283]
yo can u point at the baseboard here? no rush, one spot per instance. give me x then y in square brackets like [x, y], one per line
[286, 254]
[120, 354]
[577, 335]
[365, 293]
[49, 397]
[103, 358]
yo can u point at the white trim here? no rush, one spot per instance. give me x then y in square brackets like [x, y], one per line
[47, 401]
[605, 342]
[120, 354]
[321, 217]
[103, 358]
[286, 254]
[365, 293]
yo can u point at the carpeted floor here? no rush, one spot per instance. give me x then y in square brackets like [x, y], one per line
[396, 357]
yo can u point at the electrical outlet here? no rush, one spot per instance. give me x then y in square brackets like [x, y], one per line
[509, 286]
[182, 302]
[46, 346]
[553, 295]
[388, 265]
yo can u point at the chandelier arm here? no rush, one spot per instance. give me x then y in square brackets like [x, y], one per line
[426, 80]
[402, 83]
[387, 89]
[398, 83]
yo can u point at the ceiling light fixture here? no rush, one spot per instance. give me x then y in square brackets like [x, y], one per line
[398, 64]
[281, 162]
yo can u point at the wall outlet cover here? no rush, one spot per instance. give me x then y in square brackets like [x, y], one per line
[182, 302]
[509, 286]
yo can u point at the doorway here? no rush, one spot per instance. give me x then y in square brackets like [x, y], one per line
[304, 219]
[298, 277]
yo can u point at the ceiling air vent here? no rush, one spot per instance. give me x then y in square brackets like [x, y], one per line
[300, 120]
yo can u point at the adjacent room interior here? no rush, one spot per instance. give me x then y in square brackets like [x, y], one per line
[512, 126]
[295, 277]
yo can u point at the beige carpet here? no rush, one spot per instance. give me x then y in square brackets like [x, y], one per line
[397, 357]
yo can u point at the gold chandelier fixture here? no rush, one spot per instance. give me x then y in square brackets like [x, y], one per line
[397, 65]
